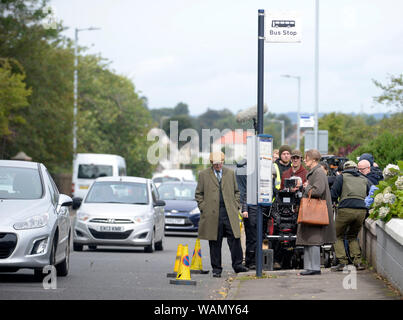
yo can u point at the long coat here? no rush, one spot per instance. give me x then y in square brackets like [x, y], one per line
[208, 199]
[309, 235]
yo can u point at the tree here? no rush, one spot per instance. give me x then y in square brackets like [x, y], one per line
[112, 117]
[392, 92]
[13, 98]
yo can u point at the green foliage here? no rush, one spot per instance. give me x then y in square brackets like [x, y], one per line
[386, 148]
[345, 131]
[13, 98]
[388, 198]
[392, 92]
[112, 117]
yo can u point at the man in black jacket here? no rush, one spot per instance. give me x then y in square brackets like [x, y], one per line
[249, 215]
[374, 174]
[349, 190]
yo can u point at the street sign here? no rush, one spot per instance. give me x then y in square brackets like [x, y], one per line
[259, 170]
[306, 121]
[283, 27]
[323, 141]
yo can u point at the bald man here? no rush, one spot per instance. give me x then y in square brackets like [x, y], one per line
[364, 166]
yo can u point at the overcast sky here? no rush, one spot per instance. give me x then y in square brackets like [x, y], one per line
[204, 52]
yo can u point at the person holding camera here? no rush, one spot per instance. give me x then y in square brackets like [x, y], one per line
[296, 170]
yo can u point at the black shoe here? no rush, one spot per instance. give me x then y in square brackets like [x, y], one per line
[310, 272]
[241, 269]
[216, 275]
[339, 267]
[251, 266]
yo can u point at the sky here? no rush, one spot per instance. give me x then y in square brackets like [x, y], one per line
[204, 52]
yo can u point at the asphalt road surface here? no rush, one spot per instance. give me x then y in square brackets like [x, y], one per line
[121, 273]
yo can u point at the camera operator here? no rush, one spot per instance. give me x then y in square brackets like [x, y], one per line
[292, 180]
[296, 170]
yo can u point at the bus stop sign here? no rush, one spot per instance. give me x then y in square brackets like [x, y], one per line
[282, 27]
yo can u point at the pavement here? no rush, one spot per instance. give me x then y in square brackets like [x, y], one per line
[289, 285]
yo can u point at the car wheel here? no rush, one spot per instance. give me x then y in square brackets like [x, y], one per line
[63, 267]
[150, 247]
[159, 246]
[77, 247]
[38, 273]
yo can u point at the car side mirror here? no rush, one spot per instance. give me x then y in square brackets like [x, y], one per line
[159, 203]
[65, 200]
[76, 203]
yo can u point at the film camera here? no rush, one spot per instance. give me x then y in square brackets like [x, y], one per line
[282, 229]
[335, 164]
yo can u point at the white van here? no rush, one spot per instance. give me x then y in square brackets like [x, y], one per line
[89, 166]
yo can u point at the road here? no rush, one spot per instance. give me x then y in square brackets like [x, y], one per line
[121, 273]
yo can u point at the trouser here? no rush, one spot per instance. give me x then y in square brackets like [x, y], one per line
[312, 258]
[225, 230]
[250, 233]
[348, 224]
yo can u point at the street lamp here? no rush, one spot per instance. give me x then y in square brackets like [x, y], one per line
[76, 84]
[299, 105]
[282, 128]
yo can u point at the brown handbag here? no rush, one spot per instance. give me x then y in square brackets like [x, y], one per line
[313, 211]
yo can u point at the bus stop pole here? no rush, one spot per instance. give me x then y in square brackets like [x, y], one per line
[260, 80]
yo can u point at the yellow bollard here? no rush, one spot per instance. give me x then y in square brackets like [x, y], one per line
[177, 262]
[197, 266]
[183, 276]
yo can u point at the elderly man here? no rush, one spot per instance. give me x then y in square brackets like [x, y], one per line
[217, 196]
[372, 172]
[349, 190]
[364, 167]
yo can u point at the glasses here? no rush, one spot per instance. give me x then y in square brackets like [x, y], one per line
[295, 158]
[361, 169]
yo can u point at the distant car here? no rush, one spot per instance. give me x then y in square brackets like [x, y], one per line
[120, 211]
[34, 219]
[158, 180]
[181, 210]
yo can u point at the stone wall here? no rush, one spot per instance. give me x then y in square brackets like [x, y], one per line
[389, 251]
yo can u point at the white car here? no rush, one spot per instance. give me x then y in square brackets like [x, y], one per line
[34, 219]
[120, 211]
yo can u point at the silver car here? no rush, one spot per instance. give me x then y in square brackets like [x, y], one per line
[34, 219]
[120, 211]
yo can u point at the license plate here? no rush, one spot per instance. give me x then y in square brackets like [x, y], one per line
[84, 187]
[111, 229]
[174, 221]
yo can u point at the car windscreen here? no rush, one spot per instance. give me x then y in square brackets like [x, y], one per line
[118, 192]
[165, 179]
[177, 191]
[20, 183]
[93, 171]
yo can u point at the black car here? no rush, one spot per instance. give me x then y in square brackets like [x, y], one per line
[181, 210]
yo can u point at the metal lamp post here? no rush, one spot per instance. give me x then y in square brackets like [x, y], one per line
[76, 84]
[282, 122]
[299, 106]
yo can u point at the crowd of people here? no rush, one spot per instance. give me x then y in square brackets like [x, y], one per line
[221, 194]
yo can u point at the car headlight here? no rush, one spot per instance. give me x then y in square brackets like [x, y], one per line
[195, 211]
[34, 222]
[82, 216]
[142, 219]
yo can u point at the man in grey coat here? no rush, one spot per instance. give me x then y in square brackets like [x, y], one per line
[311, 236]
[217, 196]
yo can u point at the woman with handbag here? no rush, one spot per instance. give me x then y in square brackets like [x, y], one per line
[315, 220]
